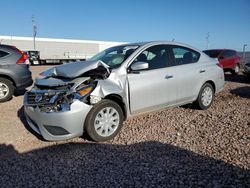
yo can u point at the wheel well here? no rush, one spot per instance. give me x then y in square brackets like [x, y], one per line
[9, 78]
[119, 101]
[212, 83]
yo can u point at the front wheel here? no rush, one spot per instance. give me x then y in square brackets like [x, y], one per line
[206, 96]
[104, 121]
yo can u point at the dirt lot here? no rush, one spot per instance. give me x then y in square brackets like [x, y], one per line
[174, 147]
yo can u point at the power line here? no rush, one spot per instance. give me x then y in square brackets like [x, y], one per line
[34, 26]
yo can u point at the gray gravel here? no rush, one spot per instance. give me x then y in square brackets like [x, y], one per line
[179, 147]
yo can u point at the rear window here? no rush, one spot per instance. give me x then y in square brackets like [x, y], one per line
[229, 53]
[212, 53]
[3, 54]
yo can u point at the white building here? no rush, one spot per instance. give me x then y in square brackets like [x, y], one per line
[58, 49]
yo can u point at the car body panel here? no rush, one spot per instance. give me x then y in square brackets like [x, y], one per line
[72, 121]
[74, 69]
[151, 93]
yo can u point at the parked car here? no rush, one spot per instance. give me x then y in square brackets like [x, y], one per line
[229, 60]
[247, 69]
[14, 73]
[97, 95]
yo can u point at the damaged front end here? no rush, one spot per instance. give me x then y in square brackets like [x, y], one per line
[59, 97]
[62, 85]
[58, 104]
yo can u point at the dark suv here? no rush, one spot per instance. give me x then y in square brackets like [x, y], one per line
[229, 60]
[14, 73]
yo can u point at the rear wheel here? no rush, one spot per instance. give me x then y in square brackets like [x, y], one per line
[206, 96]
[104, 121]
[6, 89]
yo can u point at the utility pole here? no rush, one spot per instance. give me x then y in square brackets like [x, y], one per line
[244, 53]
[34, 31]
[207, 39]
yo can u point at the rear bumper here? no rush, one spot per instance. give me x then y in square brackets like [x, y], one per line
[24, 82]
[58, 125]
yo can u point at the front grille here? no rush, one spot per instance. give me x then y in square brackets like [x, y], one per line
[36, 98]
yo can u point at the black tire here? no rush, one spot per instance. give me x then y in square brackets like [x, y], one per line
[91, 120]
[236, 70]
[199, 102]
[5, 83]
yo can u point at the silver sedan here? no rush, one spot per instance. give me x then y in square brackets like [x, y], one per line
[97, 95]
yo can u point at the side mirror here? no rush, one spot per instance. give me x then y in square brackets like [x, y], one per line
[139, 66]
[221, 57]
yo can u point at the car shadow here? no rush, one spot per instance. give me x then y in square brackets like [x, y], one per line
[243, 92]
[146, 164]
[237, 78]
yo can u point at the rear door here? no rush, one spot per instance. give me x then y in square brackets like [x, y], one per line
[154, 87]
[188, 73]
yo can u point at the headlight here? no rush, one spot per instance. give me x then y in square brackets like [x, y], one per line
[85, 91]
[82, 91]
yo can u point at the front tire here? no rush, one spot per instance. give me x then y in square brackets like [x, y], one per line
[6, 89]
[206, 96]
[104, 121]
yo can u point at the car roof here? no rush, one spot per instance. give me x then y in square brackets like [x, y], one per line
[159, 43]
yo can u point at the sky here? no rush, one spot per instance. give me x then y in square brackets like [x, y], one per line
[187, 21]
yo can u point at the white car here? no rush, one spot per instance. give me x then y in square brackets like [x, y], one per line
[99, 94]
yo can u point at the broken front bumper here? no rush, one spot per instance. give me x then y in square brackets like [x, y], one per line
[58, 125]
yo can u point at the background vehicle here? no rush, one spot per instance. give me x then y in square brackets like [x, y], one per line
[229, 60]
[97, 95]
[14, 73]
[247, 69]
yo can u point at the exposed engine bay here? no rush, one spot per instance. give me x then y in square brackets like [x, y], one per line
[60, 86]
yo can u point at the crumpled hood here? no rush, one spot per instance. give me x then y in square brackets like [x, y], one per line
[75, 69]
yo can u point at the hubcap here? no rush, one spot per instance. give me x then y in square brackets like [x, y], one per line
[206, 96]
[107, 121]
[4, 90]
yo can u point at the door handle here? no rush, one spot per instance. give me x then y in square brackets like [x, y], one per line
[169, 76]
[202, 70]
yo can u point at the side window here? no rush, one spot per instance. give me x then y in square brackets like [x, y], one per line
[156, 57]
[184, 55]
[3, 54]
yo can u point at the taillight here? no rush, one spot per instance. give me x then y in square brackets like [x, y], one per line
[22, 59]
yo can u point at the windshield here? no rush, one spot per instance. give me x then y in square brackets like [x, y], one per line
[114, 56]
[212, 53]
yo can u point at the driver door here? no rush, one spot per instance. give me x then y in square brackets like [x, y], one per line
[154, 87]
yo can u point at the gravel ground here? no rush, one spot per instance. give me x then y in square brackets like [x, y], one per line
[169, 148]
